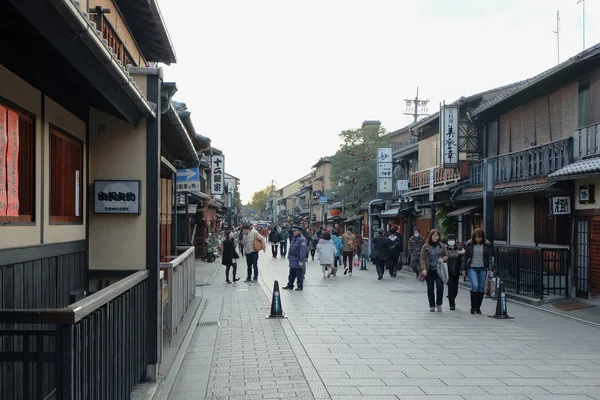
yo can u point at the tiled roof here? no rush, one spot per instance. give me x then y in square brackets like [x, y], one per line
[591, 52]
[591, 165]
[507, 191]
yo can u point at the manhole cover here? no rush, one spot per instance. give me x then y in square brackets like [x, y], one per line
[407, 291]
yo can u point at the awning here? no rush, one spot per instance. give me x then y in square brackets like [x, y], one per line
[578, 169]
[462, 211]
[392, 212]
[508, 191]
[353, 218]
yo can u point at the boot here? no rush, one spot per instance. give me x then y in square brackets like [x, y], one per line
[479, 302]
[474, 298]
[227, 276]
[234, 273]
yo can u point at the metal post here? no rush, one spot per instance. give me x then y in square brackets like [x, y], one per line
[187, 219]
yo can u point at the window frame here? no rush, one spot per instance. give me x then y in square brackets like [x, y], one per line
[501, 205]
[61, 219]
[24, 220]
[558, 226]
[584, 99]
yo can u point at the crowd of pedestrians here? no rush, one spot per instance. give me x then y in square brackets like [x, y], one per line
[435, 262]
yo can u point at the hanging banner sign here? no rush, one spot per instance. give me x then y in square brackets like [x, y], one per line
[449, 136]
[217, 184]
[384, 170]
[12, 164]
[3, 146]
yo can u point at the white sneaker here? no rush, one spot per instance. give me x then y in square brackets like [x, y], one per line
[350, 273]
[439, 308]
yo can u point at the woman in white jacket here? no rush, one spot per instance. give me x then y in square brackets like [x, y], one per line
[326, 251]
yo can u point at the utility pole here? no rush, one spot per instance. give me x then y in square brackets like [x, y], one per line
[557, 32]
[583, 4]
[416, 107]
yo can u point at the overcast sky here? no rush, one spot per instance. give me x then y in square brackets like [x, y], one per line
[273, 82]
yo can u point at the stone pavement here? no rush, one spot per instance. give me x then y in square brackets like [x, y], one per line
[360, 338]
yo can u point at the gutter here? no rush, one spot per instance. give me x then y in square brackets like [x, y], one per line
[95, 43]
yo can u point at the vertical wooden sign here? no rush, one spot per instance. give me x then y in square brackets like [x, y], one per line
[3, 145]
[12, 164]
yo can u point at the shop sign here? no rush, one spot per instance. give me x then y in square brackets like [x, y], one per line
[560, 205]
[449, 136]
[384, 170]
[117, 197]
[217, 181]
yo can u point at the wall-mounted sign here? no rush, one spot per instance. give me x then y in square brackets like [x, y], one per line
[402, 185]
[217, 176]
[188, 179]
[560, 205]
[316, 194]
[117, 197]
[3, 145]
[384, 170]
[586, 194]
[448, 136]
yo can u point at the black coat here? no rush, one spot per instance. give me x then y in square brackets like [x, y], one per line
[229, 253]
[454, 261]
[380, 248]
[488, 254]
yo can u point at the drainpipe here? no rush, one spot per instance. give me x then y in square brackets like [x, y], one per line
[370, 224]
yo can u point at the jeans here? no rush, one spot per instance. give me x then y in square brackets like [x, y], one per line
[283, 248]
[274, 249]
[298, 275]
[477, 278]
[434, 279]
[380, 264]
[348, 257]
[252, 261]
[452, 289]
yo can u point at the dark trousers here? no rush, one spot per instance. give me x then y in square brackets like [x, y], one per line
[348, 257]
[312, 253]
[452, 289]
[274, 249]
[234, 271]
[298, 275]
[252, 262]
[434, 279]
[283, 248]
[380, 264]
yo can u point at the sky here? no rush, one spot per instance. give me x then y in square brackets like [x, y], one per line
[274, 82]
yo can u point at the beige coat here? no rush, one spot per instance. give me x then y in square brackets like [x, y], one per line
[249, 241]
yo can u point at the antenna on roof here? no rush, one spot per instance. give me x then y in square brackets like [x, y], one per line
[416, 107]
[583, 4]
[557, 32]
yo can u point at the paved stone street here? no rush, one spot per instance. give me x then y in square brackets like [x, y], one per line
[360, 338]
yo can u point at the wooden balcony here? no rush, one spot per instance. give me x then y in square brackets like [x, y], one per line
[441, 176]
[586, 141]
[536, 162]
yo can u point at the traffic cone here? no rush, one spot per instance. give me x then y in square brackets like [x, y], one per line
[276, 309]
[501, 311]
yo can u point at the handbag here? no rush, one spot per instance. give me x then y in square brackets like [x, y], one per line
[442, 270]
[356, 262]
[257, 243]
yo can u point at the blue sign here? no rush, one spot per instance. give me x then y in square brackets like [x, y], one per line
[323, 199]
[188, 175]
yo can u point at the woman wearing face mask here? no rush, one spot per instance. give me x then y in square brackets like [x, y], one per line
[230, 257]
[454, 267]
[478, 259]
[432, 254]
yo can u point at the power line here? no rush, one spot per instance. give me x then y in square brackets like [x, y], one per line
[416, 107]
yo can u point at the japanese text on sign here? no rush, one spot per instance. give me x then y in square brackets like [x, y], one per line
[449, 136]
[384, 170]
[561, 205]
[117, 197]
[217, 185]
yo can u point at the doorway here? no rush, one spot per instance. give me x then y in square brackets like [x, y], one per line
[582, 257]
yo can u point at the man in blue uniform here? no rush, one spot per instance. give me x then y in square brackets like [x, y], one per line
[297, 257]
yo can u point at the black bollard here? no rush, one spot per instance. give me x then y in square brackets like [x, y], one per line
[501, 310]
[276, 309]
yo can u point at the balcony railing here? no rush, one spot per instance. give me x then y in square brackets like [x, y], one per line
[113, 40]
[441, 176]
[586, 141]
[537, 162]
[94, 348]
[179, 290]
[403, 144]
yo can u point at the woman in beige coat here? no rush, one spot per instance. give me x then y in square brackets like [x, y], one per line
[433, 253]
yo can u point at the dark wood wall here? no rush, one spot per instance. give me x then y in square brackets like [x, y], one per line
[42, 276]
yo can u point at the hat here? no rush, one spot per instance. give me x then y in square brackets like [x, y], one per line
[296, 228]
[451, 236]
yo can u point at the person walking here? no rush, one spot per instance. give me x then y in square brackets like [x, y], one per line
[433, 254]
[326, 252]
[478, 259]
[415, 244]
[283, 238]
[314, 240]
[454, 267]
[274, 239]
[360, 241]
[253, 243]
[348, 249]
[394, 246]
[380, 254]
[338, 246]
[230, 257]
[297, 259]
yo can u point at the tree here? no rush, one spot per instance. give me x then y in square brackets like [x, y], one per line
[354, 165]
[259, 199]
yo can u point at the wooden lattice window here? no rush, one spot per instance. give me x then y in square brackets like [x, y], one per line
[66, 178]
[17, 166]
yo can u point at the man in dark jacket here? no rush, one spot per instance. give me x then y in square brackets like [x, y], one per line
[297, 257]
[394, 250]
[415, 244]
[274, 239]
[454, 266]
[379, 255]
